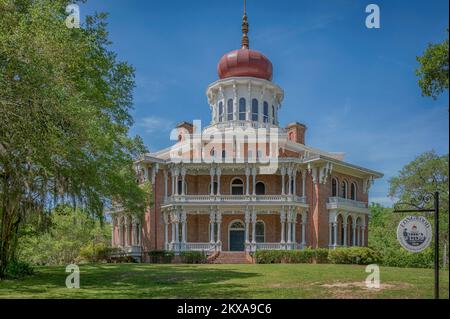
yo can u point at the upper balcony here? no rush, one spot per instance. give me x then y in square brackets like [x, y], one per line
[238, 200]
[346, 204]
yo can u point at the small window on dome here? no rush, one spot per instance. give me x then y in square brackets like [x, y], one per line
[266, 112]
[273, 115]
[255, 110]
[220, 112]
[242, 109]
[230, 110]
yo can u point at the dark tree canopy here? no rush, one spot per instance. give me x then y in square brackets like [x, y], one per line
[64, 118]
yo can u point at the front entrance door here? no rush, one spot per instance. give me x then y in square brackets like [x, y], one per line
[237, 236]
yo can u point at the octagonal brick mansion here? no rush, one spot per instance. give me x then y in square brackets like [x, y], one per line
[245, 183]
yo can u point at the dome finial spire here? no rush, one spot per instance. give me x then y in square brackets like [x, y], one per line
[245, 41]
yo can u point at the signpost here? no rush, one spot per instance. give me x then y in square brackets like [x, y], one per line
[416, 240]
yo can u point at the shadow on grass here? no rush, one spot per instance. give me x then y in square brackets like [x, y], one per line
[134, 281]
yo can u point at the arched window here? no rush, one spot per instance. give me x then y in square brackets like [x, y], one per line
[224, 154]
[260, 231]
[230, 110]
[334, 187]
[266, 112]
[344, 189]
[255, 110]
[237, 187]
[212, 152]
[220, 112]
[353, 191]
[242, 109]
[260, 188]
[273, 115]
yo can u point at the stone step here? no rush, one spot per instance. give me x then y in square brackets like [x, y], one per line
[231, 258]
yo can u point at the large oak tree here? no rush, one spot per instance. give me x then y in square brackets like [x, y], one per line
[64, 118]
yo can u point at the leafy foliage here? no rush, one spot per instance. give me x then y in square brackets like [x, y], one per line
[193, 257]
[426, 174]
[306, 255]
[433, 71]
[354, 255]
[65, 240]
[64, 114]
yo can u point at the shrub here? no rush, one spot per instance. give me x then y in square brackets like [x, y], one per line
[161, 256]
[98, 253]
[353, 255]
[305, 256]
[398, 257]
[193, 257]
[17, 269]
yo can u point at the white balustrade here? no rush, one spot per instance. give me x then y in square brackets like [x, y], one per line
[235, 198]
[347, 202]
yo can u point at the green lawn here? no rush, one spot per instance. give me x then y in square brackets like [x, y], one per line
[224, 281]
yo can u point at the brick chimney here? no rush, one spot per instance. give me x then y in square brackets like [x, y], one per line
[296, 132]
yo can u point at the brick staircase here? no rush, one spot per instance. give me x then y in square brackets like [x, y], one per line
[231, 257]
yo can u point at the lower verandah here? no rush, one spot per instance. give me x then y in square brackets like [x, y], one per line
[232, 233]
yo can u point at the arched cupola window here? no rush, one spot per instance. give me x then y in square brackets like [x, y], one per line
[230, 110]
[220, 111]
[273, 115]
[255, 110]
[242, 109]
[266, 112]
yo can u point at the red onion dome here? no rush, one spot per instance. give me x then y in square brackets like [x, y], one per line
[245, 63]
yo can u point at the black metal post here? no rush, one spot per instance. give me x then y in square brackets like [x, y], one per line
[436, 245]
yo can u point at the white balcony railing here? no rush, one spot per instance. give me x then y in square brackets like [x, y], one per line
[347, 202]
[234, 198]
[199, 246]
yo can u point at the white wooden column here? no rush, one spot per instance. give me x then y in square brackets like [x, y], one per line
[212, 172]
[183, 181]
[183, 229]
[212, 218]
[254, 216]
[294, 225]
[353, 232]
[113, 232]
[219, 234]
[172, 222]
[177, 230]
[344, 225]
[133, 232]
[294, 182]
[335, 233]
[166, 230]
[304, 183]
[165, 184]
[254, 180]
[127, 232]
[363, 235]
[283, 225]
[330, 234]
[289, 227]
[172, 175]
[247, 181]
[120, 231]
[247, 222]
[304, 220]
[218, 173]
[283, 173]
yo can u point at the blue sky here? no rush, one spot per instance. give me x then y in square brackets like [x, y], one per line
[354, 87]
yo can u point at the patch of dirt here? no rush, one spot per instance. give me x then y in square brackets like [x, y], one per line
[359, 289]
